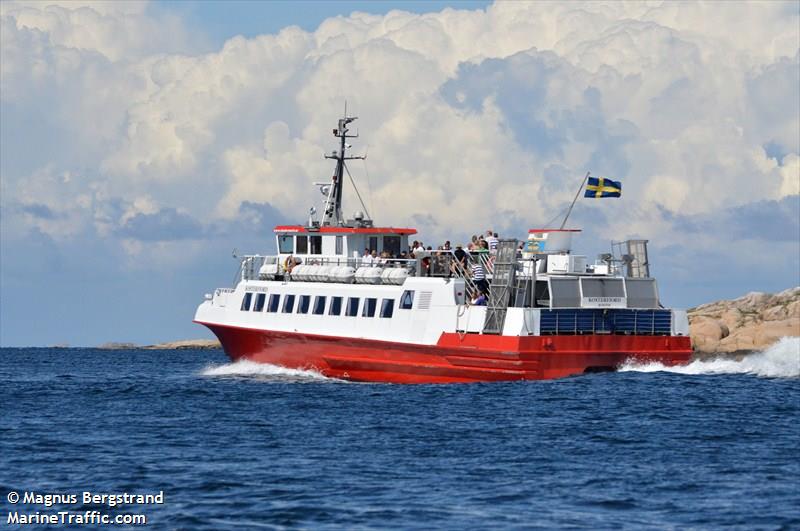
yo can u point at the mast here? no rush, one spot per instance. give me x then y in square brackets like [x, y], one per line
[574, 200]
[333, 204]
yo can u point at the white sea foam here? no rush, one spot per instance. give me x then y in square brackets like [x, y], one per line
[247, 368]
[781, 360]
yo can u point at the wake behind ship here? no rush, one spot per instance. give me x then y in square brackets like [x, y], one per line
[388, 316]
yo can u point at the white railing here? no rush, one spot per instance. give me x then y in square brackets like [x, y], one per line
[439, 263]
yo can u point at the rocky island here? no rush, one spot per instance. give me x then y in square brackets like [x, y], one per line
[751, 322]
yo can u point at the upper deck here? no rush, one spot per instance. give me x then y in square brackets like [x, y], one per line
[545, 280]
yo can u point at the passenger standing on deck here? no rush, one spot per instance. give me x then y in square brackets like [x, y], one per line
[460, 254]
[366, 260]
[419, 248]
[479, 277]
[491, 239]
[460, 262]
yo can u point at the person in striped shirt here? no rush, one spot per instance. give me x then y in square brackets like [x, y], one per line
[479, 277]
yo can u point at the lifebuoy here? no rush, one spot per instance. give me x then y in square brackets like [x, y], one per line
[288, 264]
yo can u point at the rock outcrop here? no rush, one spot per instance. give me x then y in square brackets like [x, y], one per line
[185, 344]
[752, 322]
[171, 345]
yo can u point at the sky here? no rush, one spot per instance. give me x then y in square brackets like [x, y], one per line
[141, 143]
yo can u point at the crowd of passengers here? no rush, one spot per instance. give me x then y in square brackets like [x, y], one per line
[417, 248]
[436, 260]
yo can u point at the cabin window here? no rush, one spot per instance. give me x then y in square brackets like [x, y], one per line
[407, 300]
[305, 302]
[352, 307]
[392, 245]
[319, 305]
[274, 299]
[260, 299]
[339, 245]
[336, 306]
[302, 244]
[316, 244]
[373, 243]
[246, 301]
[387, 308]
[369, 307]
[288, 304]
[285, 244]
[602, 287]
[542, 295]
[641, 292]
[564, 293]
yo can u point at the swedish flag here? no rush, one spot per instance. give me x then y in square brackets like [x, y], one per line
[602, 187]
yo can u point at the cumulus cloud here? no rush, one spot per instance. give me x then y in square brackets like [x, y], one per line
[117, 124]
[478, 106]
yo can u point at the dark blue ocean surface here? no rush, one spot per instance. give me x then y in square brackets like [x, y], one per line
[243, 447]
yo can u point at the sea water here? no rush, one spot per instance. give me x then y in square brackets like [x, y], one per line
[714, 444]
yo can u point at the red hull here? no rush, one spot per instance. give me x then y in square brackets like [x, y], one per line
[455, 358]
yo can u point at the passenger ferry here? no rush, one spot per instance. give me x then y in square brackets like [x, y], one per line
[319, 304]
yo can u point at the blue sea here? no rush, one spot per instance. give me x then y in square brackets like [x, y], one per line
[244, 446]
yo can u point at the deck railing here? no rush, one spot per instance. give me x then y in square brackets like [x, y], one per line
[438, 263]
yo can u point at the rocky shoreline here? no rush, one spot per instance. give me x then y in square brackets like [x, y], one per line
[752, 322]
[183, 344]
[729, 327]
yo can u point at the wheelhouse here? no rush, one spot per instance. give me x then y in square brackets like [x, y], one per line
[346, 242]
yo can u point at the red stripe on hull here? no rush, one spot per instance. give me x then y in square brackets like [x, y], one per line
[455, 358]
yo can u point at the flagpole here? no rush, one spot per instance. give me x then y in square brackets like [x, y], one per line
[574, 200]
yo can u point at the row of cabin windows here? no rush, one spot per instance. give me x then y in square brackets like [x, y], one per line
[286, 244]
[302, 244]
[273, 304]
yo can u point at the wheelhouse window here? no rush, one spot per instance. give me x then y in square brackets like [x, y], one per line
[288, 304]
[339, 245]
[373, 243]
[302, 244]
[305, 303]
[260, 299]
[392, 245]
[319, 305]
[370, 305]
[316, 244]
[387, 308]
[352, 307]
[407, 300]
[274, 300]
[336, 306]
[246, 301]
[285, 244]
